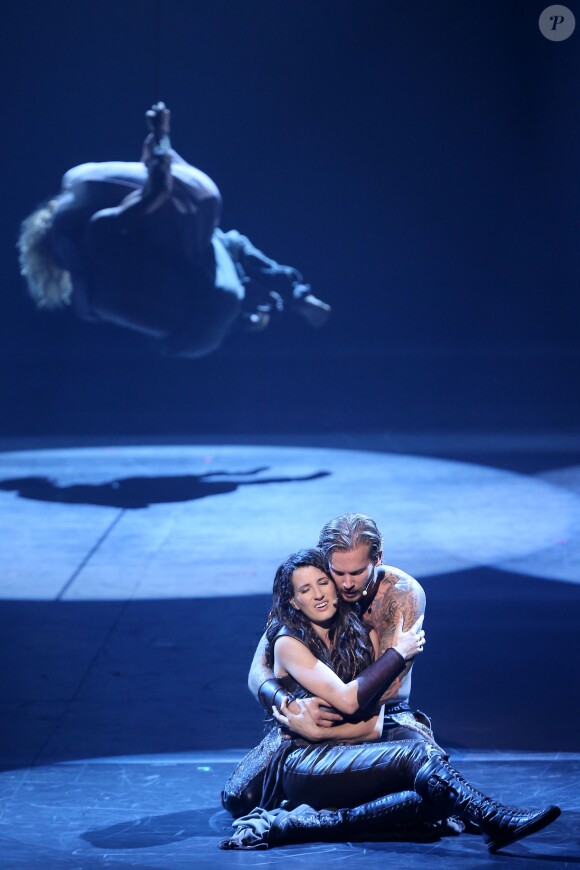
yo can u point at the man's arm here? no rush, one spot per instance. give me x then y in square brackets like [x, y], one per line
[305, 726]
[259, 670]
[399, 594]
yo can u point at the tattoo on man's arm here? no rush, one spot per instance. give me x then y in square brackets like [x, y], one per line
[405, 599]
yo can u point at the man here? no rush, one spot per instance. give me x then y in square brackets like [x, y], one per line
[138, 245]
[352, 545]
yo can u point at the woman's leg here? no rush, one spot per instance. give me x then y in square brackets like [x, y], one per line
[403, 814]
[334, 775]
[445, 788]
[338, 775]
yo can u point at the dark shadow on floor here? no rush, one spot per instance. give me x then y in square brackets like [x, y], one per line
[131, 493]
[156, 830]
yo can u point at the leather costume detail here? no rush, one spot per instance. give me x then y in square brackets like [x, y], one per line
[401, 722]
[375, 679]
[392, 815]
[440, 784]
[272, 694]
[342, 775]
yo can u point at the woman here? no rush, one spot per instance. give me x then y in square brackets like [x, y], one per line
[317, 646]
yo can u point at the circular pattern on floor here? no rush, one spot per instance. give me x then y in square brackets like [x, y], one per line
[191, 521]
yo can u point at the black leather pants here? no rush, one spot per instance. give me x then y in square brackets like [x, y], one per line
[346, 775]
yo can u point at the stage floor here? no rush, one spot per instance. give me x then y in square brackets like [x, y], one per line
[135, 583]
[164, 812]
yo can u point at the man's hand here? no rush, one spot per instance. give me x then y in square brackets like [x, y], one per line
[309, 717]
[300, 723]
[322, 714]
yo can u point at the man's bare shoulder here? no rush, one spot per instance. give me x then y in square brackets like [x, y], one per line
[399, 581]
[398, 593]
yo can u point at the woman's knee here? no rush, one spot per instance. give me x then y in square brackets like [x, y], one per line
[341, 776]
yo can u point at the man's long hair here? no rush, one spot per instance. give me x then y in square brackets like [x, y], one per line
[351, 649]
[349, 531]
[48, 284]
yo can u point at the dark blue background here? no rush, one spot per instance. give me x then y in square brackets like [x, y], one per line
[418, 162]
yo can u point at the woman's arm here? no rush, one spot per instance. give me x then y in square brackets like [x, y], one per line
[262, 683]
[292, 657]
[305, 725]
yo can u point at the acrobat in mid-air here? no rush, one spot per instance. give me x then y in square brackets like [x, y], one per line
[138, 245]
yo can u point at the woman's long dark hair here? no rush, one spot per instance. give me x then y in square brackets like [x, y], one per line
[351, 649]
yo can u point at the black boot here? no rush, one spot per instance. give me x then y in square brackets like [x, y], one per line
[393, 815]
[438, 782]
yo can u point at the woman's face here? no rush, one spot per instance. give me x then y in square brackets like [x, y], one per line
[314, 594]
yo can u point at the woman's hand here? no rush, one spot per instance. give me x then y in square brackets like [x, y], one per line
[409, 643]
